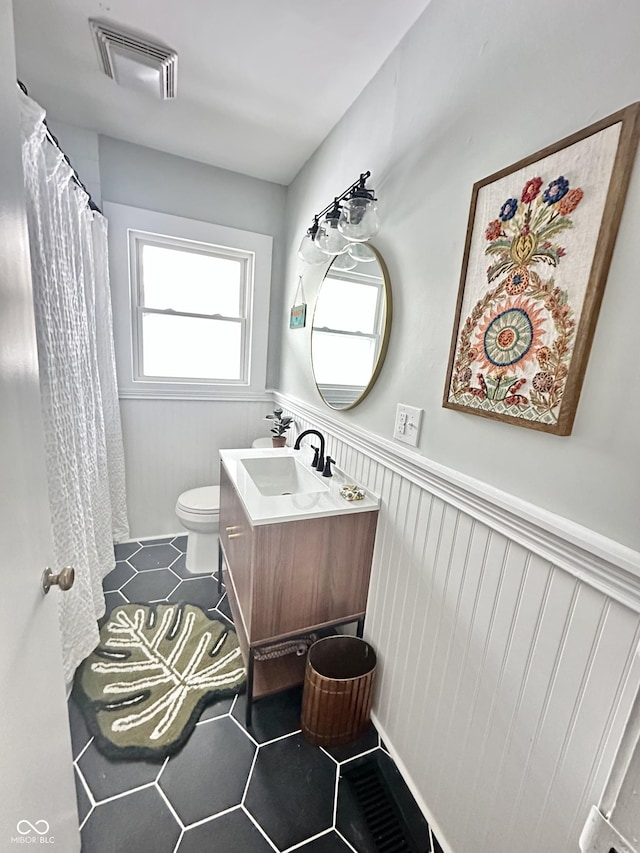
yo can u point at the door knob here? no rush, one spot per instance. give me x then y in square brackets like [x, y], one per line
[64, 579]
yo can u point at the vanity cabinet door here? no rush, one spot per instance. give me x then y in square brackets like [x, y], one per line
[311, 573]
[236, 536]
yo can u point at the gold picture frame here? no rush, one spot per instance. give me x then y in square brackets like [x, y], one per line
[524, 324]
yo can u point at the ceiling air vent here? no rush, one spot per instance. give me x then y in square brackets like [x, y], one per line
[133, 60]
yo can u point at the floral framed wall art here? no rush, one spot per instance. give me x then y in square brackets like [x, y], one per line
[539, 243]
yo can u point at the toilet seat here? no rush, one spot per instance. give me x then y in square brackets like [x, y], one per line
[202, 501]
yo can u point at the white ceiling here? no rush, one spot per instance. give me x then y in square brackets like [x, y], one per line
[260, 84]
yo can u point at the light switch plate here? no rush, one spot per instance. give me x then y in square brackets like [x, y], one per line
[407, 426]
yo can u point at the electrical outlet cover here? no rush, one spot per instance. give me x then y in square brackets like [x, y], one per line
[407, 426]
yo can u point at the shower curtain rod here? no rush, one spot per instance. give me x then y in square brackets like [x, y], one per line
[53, 140]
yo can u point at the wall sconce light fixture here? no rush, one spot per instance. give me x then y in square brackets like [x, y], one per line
[352, 217]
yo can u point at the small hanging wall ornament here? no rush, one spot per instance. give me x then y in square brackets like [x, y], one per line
[298, 317]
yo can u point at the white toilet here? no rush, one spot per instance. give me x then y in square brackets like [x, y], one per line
[198, 510]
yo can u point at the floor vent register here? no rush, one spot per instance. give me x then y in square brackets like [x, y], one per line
[391, 821]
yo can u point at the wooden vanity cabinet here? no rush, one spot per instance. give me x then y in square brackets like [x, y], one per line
[291, 578]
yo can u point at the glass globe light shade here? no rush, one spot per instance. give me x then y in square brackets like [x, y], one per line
[359, 218]
[361, 252]
[344, 262]
[329, 239]
[310, 253]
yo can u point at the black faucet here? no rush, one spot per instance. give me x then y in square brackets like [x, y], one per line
[318, 463]
[327, 467]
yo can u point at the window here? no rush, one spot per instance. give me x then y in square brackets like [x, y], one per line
[191, 310]
[190, 314]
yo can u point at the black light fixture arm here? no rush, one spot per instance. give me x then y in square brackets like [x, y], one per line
[356, 188]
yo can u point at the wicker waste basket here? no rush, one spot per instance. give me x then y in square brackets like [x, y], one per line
[338, 690]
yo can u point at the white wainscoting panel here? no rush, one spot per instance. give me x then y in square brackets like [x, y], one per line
[504, 680]
[172, 445]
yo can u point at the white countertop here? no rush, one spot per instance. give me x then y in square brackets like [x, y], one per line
[271, 509]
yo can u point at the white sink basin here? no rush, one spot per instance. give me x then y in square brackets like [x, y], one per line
[277, 485]
[282, 475]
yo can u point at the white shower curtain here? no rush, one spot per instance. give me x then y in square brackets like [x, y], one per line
[83, 438]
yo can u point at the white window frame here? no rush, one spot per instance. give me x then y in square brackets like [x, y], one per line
[131, 226]
[137, 241]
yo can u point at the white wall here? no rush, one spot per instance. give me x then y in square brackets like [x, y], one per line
[150, 179]
[507, 649]
[172, 445]
[471, 89]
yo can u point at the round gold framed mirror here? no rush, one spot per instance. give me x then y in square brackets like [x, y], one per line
[350, 329]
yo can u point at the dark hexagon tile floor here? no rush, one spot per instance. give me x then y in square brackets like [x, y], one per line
[140, 821]
[228, 790]
[366, 742]
[330, 842]
[124, 550]
[80, 734]
[179, 567]
[180, 542]
[220, 708]
[225, 609]
[209, 774]
[154, 557]
[291, 791]
[150, 586]
[272, 717]
[107, 778]
[202, 591]
[112, 600]
[233, 832]
[84, 803]
[122, 573]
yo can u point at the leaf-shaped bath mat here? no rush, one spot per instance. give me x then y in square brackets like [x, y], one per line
[157, 666]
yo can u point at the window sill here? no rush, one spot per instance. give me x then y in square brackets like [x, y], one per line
[222, 394]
